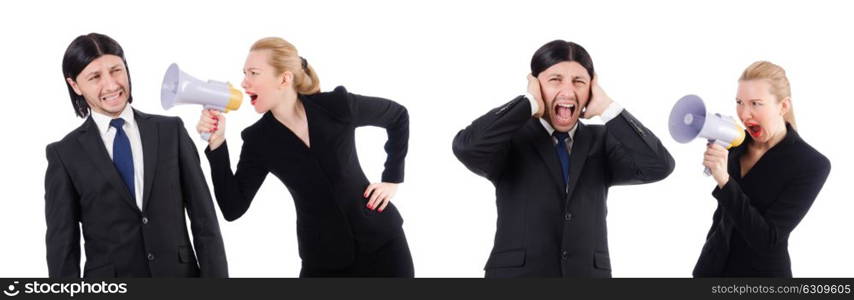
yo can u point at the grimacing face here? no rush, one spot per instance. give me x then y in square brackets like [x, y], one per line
[566, 90]
[760, 111]
[104, 84]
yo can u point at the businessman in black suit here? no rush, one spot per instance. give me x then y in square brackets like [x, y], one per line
[552, 173]
[127, 178]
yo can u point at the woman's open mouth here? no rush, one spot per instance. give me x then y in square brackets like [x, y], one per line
[754, 129]
[253, 98]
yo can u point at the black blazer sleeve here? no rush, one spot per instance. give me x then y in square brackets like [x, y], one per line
[234, 191]
[764, 230]
[483, 146]
[62, 211]
[207, 238]
[373, 111]
[635, 155]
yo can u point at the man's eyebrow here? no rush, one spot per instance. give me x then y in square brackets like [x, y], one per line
[90, 74]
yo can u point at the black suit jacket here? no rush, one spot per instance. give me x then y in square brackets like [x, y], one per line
[750, 228]
[83, 187]
[544, 230]
[326, 180]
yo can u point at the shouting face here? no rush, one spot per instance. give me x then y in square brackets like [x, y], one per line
[566, 89]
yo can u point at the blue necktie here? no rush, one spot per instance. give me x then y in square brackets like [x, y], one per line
[562, 154]
[122, 156]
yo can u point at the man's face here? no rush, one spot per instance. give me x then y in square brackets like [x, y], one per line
[104, 85]
[566, 90]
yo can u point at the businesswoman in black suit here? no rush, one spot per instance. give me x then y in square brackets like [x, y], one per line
[345, 225]
[764, 187]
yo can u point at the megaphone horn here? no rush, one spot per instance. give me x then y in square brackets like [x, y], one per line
[689, 120]
[181, 88]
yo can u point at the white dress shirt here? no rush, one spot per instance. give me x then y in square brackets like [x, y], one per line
[108, 134]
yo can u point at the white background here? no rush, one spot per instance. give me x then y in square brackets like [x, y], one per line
[448, 63]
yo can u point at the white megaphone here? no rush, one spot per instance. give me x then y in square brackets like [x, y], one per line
[181, 88]
[689, 120]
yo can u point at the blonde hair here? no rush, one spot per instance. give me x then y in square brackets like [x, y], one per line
[776, 76]
[284, 57]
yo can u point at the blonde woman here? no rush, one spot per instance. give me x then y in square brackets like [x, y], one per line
[764, 187]
[345, 225]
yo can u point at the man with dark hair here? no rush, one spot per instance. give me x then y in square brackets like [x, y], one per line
[127, 177]
[552, 173]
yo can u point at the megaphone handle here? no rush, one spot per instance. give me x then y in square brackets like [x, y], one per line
[207, 135]
[707, 171]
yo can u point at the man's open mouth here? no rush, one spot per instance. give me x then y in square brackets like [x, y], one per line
[564, 111]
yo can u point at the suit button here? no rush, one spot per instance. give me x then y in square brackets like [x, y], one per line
[150, 256]
[567, 216]
[144, 220]
[564, 254]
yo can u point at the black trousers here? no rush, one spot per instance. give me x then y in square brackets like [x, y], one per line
[392, 259]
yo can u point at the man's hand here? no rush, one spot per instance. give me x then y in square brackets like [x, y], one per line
[599, 101]
[534, 90]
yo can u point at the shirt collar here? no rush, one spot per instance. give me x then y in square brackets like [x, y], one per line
[103, 121]
[551, 129]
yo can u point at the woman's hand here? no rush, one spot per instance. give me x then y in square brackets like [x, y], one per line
[379, 194]
[212, 121]
[599, 101]
[534, 90]
[715, 159]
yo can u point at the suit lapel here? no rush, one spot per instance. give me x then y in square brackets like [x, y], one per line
[544, 146]
[93, 145]
[578, 156]
[148, 133]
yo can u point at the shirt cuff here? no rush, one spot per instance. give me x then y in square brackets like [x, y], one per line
[534, 105]
[611, 112]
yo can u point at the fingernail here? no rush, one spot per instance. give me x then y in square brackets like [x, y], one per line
[381, 210]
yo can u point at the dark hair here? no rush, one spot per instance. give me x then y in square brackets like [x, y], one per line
[558, 51]
[80, 53]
